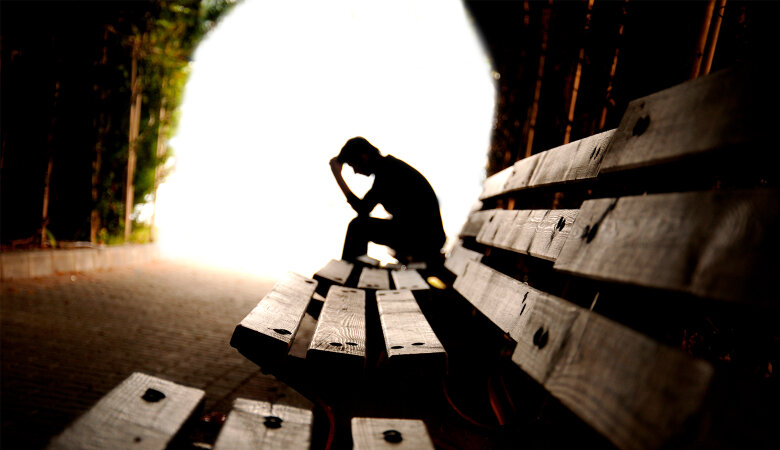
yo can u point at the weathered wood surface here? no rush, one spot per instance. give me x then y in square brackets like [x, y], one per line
[494, 184]
[373, 278]
[405, 328]
[714, 244]
[337, 271]
[255, 424]
[634, 391]
[141, 412]
[273, 323]
[458, 257]
[502, 299]
[725, 109]
[539, 233]
[575, 161]
[379, 433]
[408, 279]
[341, 329]
[474, 223]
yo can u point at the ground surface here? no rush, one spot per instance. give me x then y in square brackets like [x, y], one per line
[69, 339]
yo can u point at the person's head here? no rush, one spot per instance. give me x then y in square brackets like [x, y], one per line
[360, 154]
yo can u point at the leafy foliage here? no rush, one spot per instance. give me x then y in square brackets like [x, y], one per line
[67, 71]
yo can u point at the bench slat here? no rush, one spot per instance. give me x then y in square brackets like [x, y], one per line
[714, 244]
[373, 278]
[474, 223]
[636, 392]
[500, 298]
[141, 412]
[575, 161]
[335, 271]
[256, 424]
[272, 325]
[341, 329]
[458, 257]
[376, 433]
[539, 233]
[405, 328]
[693, 118]
[408, 279]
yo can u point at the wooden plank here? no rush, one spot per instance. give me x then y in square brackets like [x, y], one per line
[372, 278]
[341, 329]
[539, 233]
[336, 271]
[494, 184]
[405, 328]
[141, 412]
[724, 109]
[502, 299]
[256, 424]
[715, 244]
[271, 326]
[458, 257]
[474, 223]
[408, 279]
[369, 261]
[379, 433]
[575, 161]
[497, 220]
[634, 391]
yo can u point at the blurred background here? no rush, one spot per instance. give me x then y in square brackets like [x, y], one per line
[206, 126]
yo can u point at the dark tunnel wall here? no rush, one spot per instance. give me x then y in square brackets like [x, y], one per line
[623, 50]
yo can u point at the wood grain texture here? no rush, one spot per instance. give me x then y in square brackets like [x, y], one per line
[539, 233]
[378, 433]
[474, 223]
[255, 424]
[634, 391]
[373, 278]
[408, 279]
[337, 271]
[458, 257]
[715, 244]
[341, 329]
[494, 184]
[405, 328]
[124, 419]
[502, 299]
[724, 109]
[274, 322]
[575, 161]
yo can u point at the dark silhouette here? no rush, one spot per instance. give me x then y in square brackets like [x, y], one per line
[415, 232]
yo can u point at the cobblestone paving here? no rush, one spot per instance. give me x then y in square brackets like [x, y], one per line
[69, 339]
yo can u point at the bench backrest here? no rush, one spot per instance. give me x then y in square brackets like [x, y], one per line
[617, 262]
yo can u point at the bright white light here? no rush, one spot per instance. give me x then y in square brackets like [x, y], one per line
[275, 92]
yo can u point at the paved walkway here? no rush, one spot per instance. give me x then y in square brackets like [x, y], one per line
[68, 339]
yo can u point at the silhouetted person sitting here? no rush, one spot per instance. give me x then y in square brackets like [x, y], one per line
[415, 231]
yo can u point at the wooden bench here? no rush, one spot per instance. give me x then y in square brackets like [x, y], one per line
[615, 290]
[141, 412]
[632, 271]
[612, 292]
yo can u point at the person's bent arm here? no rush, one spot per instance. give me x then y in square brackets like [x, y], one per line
[352, 199]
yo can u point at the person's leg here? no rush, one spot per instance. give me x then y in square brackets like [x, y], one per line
[361, 231]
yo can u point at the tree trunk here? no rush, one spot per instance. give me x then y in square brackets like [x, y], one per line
[162, 147]
[539, 77]
[575, 88]
[49, 166]
[135, 121]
